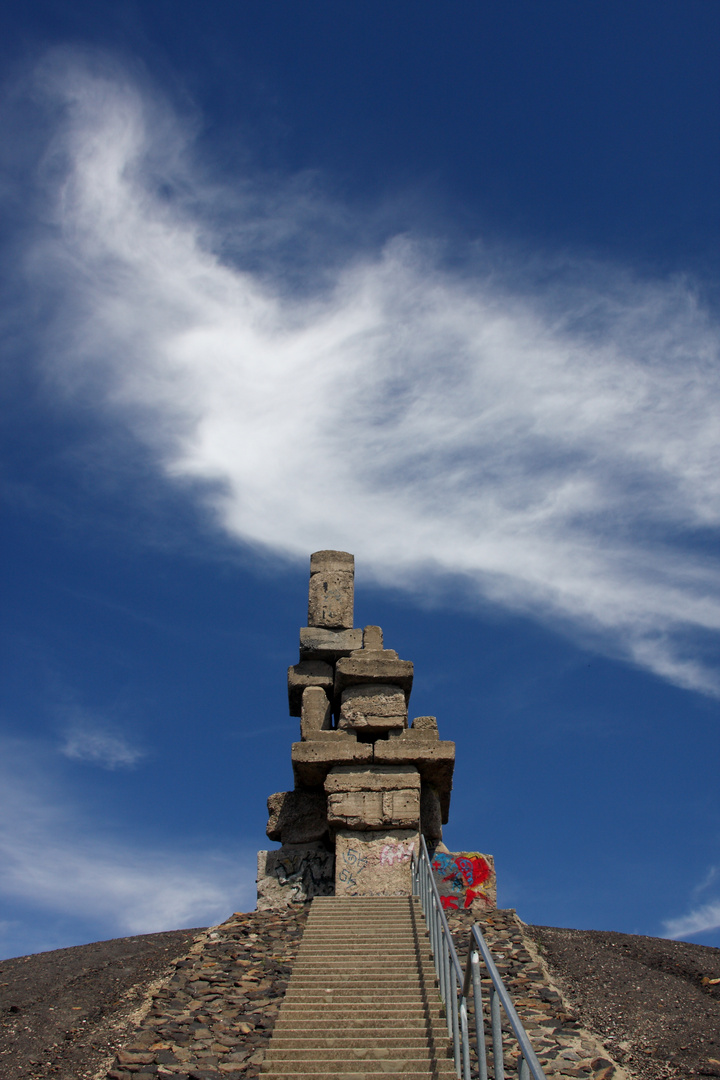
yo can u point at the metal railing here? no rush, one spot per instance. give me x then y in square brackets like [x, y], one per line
[455, 986]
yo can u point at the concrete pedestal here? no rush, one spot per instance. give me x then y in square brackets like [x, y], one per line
[374, 863]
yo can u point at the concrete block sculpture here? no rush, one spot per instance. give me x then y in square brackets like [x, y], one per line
[367, 784]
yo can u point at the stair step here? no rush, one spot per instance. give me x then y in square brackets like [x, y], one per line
[359, 992]
[380, 971]
[275, 1056]
[393, 952]
[302, 1042]
[369, 978]
[354, 933]
[363, 1074]
[376, 902]
[402, 1066]
[370, 1072]
[397, 948]
[312, 965]
[301, 1015]
[347, 963]
[359, 1001]
[381, 1024]
[365, 1010]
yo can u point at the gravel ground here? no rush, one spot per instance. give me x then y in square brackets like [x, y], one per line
[66, 1012]
[654, 1003]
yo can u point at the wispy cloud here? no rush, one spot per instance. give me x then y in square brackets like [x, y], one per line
[50, 859]
[549, 432]
[97, 744]
[695, 922]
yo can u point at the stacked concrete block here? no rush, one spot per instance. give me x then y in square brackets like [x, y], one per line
[331, 595]
[373, 798]
[367, 784]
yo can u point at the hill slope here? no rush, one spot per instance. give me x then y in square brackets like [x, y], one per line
[654, 1003]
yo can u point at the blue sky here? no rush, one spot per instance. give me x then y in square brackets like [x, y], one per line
[437, 286]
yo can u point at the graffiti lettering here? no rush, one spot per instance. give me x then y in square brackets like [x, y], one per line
[354, 858]
[392, 854]
[354, 863]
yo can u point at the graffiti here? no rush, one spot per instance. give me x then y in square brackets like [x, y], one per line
[392, 854]
[300, 875]
[354, 863]
[459, 877]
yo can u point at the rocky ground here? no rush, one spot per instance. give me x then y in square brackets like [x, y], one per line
[654, 1003]
[200, 1005]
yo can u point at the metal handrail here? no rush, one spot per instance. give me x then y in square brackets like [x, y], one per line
[447, 966]
[455, 987]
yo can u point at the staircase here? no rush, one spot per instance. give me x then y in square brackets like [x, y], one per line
[362, 1002]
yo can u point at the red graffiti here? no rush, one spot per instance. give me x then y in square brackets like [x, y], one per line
[475, 894]
[474, 871]
[461, 877]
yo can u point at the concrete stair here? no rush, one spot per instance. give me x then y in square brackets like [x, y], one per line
[362, 1002]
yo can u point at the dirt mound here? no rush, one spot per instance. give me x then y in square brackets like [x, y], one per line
[64, 1012]
[654, 1003]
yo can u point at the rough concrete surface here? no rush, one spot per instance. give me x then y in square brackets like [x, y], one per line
[379, 778]
[292, 874]
[313, 760]
[307, 673]
[315, 712]
[374, 863]
[379, 707]
[319, 643]
[375, 667]
[297, 817]
[371, 810]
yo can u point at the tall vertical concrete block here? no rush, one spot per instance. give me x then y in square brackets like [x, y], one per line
[430, 815]
[315, 715]
[331, 591]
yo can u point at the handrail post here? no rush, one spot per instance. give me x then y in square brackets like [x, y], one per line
[479, 1016]
[496, 1024]
[447, 985]
[455, 1024]
[465, 1037]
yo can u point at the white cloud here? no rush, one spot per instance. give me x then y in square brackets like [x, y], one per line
[49, 859]
[556, 445]
[96, 744]
[695, 922]
[711, 876]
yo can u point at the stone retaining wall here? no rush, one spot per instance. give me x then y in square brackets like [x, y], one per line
[213, 1016]
[565, 1049]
